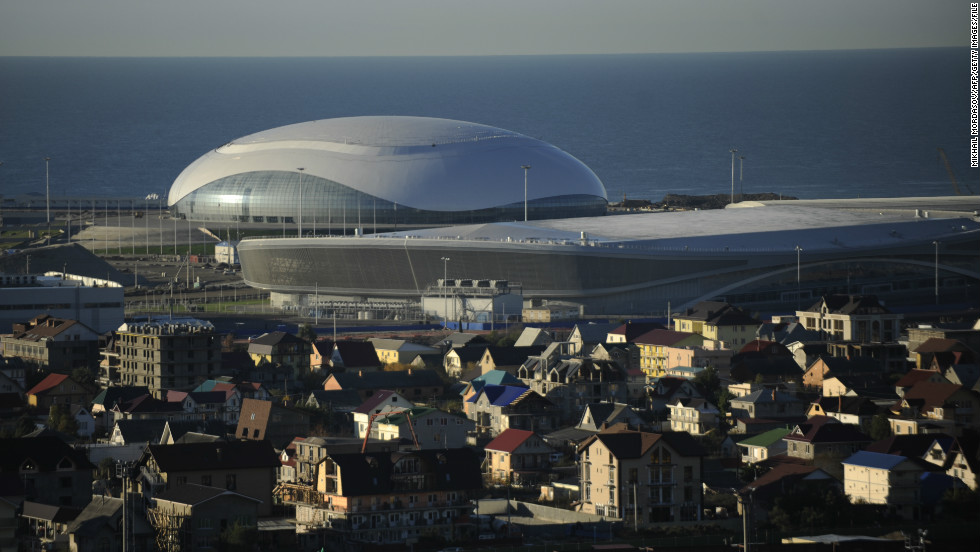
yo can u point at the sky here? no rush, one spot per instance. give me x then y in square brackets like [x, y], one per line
[276, 28]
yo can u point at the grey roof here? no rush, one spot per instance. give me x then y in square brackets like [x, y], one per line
[784, 227]
[193, 494]
[141, 431]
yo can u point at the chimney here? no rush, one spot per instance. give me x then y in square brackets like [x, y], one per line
[840, 402]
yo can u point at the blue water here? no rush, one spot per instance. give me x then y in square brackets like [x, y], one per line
[810, 124]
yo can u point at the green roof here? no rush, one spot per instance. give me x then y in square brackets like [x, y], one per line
[766, 439]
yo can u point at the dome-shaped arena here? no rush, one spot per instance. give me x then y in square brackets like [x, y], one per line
[359, 171]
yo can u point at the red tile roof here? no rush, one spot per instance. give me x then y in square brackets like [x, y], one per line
[47, 384]
[509, 440]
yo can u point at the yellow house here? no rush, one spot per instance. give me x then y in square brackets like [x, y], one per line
[655, 348]
[718, 321]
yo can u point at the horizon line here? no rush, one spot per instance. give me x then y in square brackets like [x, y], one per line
[566, 54]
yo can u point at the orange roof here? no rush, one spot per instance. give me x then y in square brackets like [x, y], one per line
[47, 384]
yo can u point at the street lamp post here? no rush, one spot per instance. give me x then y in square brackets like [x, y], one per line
[47, 189]
[798, 249]
[526, 168]
[445, 297]
[936, 243]
[299, 226]
[741, 191]
[733, 152]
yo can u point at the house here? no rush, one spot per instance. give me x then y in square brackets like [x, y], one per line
[628, 332]
[963, 460]
[859, 385]
[50, 470]
[415, 385]
[11, 502]
[718, 321]
[584, 337]
[939, 354]
[193, 516]
[246, 389]
[914, 376]
[398, 351]
[53, 344]
[595, 418]
[769, 404]
[825, 366]
[392, 498]
[929, 407]
[889, 357]
[344, 400]
[215, 405]
[859, 318]
[824, 442]
[615, 464]
[508, 359]
[885, 479]
[145, 407]
[245, 467]
[460, 359]
[655, 345]
[426, 427]
[665, 390]
[772, 369]
[857, 411]
[498, 407]
[785, 480]
[378, 403]
[47, 525]
[573, 382]
[98, 528]
[533, 336]
[321, 351]
[763, 446]
[111, 396]
[265, 420]
[600, 415]
[494, 377]
[516, 456]
[83, 420]
[281, 349]
[131, 432]
[354, 356]
[694, 415]
[58, 389]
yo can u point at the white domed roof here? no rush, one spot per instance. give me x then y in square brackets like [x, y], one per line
[426, 163]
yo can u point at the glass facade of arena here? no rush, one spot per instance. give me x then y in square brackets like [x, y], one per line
[278, 197]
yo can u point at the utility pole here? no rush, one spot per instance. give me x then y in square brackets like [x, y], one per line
[733, 152]
[526, 168]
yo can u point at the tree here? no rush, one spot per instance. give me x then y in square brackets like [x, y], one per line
[238, 538]
[307, 333]
[60, 419]
[83, 376]
[880, 428]
[707, 380]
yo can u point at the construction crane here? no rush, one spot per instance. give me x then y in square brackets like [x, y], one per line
[408, 417]
[952, 177]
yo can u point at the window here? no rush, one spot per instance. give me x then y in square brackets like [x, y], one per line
[206, 480]
[688, 474]
[231, 482]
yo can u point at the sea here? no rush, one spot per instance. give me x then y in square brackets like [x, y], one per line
[828, 124]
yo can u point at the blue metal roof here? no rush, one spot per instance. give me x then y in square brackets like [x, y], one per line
[875, 460]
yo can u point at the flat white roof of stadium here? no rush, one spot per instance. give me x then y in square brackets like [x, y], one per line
[767, 227]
